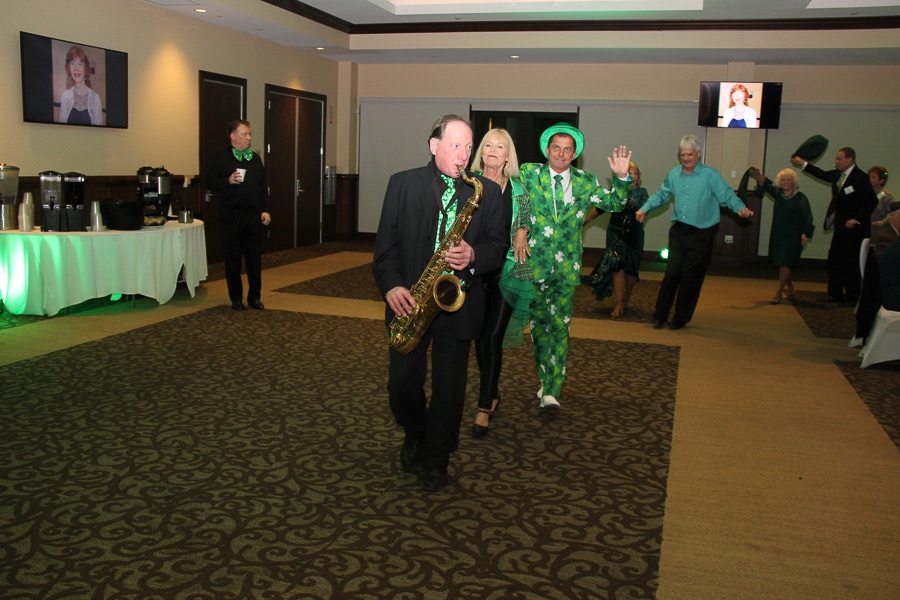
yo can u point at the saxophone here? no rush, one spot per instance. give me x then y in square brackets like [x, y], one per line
[435, 291]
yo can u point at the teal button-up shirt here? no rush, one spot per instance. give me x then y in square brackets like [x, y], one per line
[697, 197]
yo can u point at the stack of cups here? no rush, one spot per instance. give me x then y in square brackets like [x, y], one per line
[96, 216]
[26, 213]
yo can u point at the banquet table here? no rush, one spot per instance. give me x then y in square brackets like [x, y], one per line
[42, 273]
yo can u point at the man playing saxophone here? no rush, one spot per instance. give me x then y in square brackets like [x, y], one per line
[420, 208]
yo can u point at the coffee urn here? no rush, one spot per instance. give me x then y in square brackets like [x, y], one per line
[9, 192]
[155, 191]
[73, 186]
[53, 200]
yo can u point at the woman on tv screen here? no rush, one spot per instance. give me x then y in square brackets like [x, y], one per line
[738, 113]
[79, 104]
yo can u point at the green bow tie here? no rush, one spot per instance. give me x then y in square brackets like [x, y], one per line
[245, 154]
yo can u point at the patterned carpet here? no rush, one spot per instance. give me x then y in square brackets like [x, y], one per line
[125, 474]
[824, 320]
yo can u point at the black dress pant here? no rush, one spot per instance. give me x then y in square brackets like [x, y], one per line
[241, 238]
[843, 266]
[435, 423]
[690, 251]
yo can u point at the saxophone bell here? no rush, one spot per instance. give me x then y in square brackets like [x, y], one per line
[449, 293]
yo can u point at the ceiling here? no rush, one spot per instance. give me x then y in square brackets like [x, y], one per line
[568, 31]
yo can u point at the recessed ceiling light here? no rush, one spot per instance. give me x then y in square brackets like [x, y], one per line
[514, 56]
[319, 48]
[200, 10]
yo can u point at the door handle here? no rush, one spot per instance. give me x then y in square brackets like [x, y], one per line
[300, 189]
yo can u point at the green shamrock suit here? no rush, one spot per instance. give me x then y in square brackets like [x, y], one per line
[556, 253]
[555, 238]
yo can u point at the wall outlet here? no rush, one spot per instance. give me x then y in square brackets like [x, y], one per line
[729, 239]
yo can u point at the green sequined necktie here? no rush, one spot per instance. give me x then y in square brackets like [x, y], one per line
[448, 210]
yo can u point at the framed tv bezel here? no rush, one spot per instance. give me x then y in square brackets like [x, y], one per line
[766, 101]
[44, 79]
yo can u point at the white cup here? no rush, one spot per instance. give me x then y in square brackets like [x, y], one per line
[241, 173]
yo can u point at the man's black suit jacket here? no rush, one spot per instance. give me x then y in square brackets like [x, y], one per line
[855, 200]
[406, 235]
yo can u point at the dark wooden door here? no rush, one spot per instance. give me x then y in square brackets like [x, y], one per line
[222, 100]
[295, 151]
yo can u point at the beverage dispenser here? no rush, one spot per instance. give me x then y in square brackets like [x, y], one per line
[9, 191]
[53, 200]
[73, 191]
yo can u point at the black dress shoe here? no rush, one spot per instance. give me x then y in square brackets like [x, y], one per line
[255, 303]
[826, 299]
[410, 453]
[434, 479]
[237, 305]
[677, 325]
[658, 324]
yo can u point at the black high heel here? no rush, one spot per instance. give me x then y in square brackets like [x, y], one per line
[479, 431]
[495, 404]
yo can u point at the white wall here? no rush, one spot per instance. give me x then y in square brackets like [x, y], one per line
[165, 53]
[648, 108]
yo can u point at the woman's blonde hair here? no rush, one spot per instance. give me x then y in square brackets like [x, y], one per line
[788, 173]
[511, 168]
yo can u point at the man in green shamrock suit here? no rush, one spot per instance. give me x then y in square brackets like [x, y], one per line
[561, 196]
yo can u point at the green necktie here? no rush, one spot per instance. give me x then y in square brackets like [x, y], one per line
[559, 196]
[448, 210]
[451, 189]
[245, 154]
[841, 182]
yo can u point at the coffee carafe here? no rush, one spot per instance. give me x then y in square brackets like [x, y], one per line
[155, 191]
[9, 192]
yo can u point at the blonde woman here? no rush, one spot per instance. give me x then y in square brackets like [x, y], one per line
[510, 288]
[792, 225]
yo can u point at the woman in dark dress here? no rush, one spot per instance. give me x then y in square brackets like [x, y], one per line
[792, 225]
[617, 271]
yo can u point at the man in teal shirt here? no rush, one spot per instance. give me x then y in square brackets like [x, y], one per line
[697, 191]
[561, 195]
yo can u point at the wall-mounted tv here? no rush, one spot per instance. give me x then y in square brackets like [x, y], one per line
[740, 104]
[71, 83]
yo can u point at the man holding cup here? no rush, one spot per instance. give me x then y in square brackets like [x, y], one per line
[238, 178]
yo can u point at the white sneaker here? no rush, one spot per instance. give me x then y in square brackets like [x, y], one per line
[549, 403]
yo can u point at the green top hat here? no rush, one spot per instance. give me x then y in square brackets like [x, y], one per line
[812, 149]
[566, 129]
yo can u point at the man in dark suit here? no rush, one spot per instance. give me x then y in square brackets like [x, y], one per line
[420, 206]
[238, 178]
[849, 215]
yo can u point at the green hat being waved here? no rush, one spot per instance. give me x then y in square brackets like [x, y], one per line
[566, 129]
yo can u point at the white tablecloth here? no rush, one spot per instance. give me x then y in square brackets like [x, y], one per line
[41, 273]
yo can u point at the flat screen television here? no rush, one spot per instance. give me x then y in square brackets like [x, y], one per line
[70, 83]
[733, 104]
